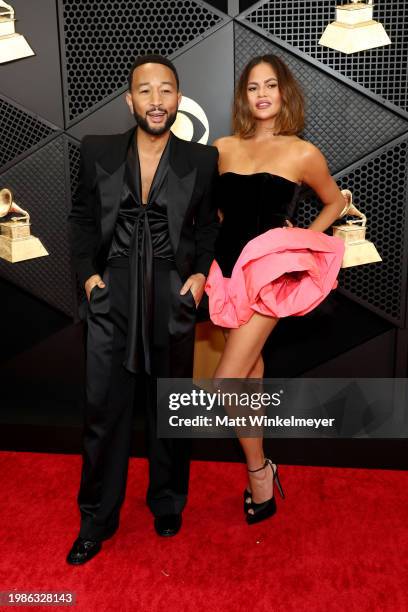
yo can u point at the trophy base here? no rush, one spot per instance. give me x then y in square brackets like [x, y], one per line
[360, 253]
[351, 234]
[353, 38]
[14, 47]
[21, 249]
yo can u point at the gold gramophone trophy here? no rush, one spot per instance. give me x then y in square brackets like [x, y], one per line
[358, 250]
[16, 242]
[354, 29]
[13, 46]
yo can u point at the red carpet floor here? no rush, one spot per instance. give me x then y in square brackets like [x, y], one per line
[338, 542]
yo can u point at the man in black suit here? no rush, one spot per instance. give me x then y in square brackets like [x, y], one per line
[143, 227]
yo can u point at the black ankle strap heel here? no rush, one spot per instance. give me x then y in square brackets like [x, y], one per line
[267, 508]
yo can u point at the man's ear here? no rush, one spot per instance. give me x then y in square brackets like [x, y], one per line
[129, 102]
[179, 96]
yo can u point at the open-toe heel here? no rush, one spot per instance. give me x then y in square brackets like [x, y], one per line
[247, 500]
[265, 509]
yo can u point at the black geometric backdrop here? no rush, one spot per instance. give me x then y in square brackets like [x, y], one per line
[379, 186]
[356, 113]
[38, 183]
[21, 131]
[300, 23]
[100, 37]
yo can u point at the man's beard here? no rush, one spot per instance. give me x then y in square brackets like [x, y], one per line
[143, 124]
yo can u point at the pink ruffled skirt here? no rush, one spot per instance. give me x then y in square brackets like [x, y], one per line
[283, 272]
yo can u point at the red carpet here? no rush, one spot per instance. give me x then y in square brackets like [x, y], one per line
[338, 542]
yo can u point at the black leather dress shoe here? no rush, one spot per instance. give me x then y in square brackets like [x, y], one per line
[167, 525]
[83, 551]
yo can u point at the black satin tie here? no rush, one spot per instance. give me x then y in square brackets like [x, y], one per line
[140, 321]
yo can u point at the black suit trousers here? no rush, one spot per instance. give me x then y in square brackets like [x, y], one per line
[113, 393]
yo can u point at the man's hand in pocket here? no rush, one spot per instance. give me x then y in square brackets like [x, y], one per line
[195, 283]
[93, 281]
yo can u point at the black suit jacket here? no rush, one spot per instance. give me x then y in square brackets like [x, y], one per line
[192, 212]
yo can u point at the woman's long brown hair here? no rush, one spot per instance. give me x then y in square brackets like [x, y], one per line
[291, 117]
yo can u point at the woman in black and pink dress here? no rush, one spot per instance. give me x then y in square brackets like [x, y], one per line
[264, 268]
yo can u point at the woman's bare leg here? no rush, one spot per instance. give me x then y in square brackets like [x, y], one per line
[258, 368]
[242, 358]
[256, 372]
[243, 347]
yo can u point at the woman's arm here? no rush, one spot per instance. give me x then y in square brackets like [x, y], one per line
[317, 176]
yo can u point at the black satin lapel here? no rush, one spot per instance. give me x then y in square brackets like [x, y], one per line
[133, 173]
[160, 174]
[110, 188]
[180, 191]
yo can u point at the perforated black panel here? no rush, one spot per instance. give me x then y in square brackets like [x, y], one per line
[379, 188]
[102, 39]
[302, 22]
[19, 131]
[340, 120]
[74, 159]
[38, 183]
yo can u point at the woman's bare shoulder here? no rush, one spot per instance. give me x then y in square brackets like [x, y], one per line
[307, 150]
[312, 162]
[225, 143]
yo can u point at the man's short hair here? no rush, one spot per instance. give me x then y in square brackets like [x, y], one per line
[152, 58]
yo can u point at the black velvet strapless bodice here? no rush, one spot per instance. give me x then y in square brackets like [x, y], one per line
[251, 204]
